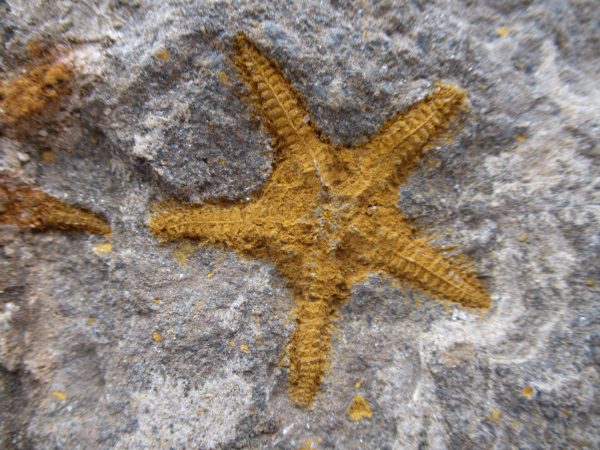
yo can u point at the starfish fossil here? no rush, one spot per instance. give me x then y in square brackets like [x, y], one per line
[327, 217]
[23, 205]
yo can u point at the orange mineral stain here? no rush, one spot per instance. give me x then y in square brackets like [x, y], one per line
[527, 392]
[495, 415]
[156, 336]
[36, 92]
[502, 31]
[360, 409]
[103, 248]
[60, 395]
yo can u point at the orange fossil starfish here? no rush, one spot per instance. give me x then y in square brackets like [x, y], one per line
[327, 217]
[26, 206]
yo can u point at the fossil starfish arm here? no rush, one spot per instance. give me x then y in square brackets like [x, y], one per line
[58, 215]
[26, 206]
[284, 113]
[309, 349]
[399, 145]
[264, 227]
[423, 266]
[235, 225]
[318, 292]
[271, 93]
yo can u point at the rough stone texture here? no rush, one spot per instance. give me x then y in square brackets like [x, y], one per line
[517, 190]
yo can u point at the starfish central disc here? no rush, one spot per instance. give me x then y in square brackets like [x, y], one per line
[328, 216]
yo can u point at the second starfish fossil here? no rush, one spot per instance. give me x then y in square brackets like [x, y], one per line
[327, 217]
[26, 206]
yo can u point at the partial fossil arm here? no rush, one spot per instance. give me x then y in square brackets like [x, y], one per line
[26, 206]
[431, 271]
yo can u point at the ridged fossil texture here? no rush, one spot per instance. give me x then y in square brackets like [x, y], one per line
[328, 216]
[26, 206]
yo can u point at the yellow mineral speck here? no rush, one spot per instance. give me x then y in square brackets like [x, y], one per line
[183, 252]
[200, 304]
[91, 321]
[448, 307]
[495, 415]
[357, 384]
[209, 275]
[360, 408]
[434, 163]
[103, 248]
[47, 156]
[590, 282]
[527, 392]
[308, 445]
[156, 300]
[502, 31]
[231, 343]
[156, 336]
[163, 55]
[523, 236]
[61, 395]
[244, 348]
[224, 78]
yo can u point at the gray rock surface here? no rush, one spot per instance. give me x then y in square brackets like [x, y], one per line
[517, 190]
